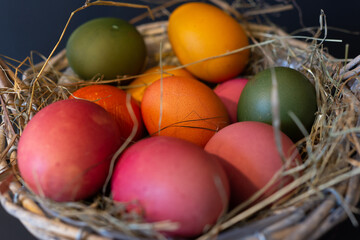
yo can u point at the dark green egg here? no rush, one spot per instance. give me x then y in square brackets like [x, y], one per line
[296, 94]
[106, 46]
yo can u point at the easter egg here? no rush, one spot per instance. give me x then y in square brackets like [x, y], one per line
[114, 101]
[251, 158]
[296, 94]
[65, 151]
[200, 30]
[137, 87]
[172, 180]
[184, 108]
[229, 93]
[108, 47]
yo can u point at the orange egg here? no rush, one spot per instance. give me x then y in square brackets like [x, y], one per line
[186, 107]
[113, 100]
[139, 85]
[200, 30]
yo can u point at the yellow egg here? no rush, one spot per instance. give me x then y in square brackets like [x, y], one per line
[200, 30]
[140, 84]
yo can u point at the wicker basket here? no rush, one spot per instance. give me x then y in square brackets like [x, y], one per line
[307, 218]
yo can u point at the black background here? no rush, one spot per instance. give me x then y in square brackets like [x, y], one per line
[28, 27]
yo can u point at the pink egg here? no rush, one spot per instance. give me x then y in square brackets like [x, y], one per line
[251, 158]
[65, 151]
[174, 180]
[229, 93]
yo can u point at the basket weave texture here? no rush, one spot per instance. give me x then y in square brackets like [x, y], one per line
[325, 205]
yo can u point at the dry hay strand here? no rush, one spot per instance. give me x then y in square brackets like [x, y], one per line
[323, 194]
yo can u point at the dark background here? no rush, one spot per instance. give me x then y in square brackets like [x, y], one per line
[28, 27]
[36, 25]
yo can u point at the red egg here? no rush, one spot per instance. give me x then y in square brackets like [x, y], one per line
[65, 150]
[174, 180]
[229, 93]
[114, 101]
[250, 157]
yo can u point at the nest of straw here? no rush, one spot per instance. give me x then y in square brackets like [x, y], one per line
[324, 194]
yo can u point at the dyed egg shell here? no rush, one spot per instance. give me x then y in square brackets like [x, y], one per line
[187, 108]
[200, 30]
[229, 93]
[296, 95]
[107, 47]
[65, 150]
[250, 158]
[114, 101]
[137, 87]
[172, 179]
